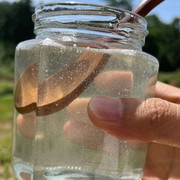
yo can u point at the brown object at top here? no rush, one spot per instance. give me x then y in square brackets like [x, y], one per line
[145, 6]
[58, 90]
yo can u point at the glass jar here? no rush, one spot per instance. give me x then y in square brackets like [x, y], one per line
[81, 50]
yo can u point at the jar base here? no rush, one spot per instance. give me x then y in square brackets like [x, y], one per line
[25, 171]
[73, 175]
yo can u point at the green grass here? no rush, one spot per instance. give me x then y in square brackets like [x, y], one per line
[6, 101]
[172, 78]
[5, 159]
[5, 150]
[6, 88]
[6, 70]
[6, 116]
[6, 108]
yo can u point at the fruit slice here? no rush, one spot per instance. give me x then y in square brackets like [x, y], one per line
[25, 94]
[60, 89]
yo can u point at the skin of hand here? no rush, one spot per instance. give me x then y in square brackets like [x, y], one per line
[154, 120]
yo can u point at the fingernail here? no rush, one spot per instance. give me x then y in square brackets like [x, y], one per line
[106, 109]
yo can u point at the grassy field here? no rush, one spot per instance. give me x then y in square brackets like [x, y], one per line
[6, 116]
[172, 78]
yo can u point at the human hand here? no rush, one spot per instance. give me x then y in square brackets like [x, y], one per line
[155, 120]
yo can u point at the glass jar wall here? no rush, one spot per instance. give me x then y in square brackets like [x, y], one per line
[80, 51]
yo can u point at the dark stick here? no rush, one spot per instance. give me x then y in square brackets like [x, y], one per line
[144, 7]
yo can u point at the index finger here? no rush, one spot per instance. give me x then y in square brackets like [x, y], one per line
[167, 92]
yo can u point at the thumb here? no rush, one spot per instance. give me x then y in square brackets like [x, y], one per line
[150, 120]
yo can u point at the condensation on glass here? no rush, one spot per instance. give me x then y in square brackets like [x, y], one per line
[80, 51]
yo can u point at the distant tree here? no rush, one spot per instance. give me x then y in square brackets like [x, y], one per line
[16, 24]
[125, 4]
[163, 42]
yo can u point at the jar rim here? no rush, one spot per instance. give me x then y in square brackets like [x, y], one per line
[90, 21]
[43, 5]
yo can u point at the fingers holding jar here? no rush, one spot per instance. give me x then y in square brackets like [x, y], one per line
[26, 124]
[80, 129]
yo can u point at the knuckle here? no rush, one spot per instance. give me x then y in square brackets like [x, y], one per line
[155, 110]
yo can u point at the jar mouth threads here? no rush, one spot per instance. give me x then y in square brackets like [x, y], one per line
[90, 21]
[86, 6]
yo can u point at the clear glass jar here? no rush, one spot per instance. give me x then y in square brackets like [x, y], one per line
[80, 51]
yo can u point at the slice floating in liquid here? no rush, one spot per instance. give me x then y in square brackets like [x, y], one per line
[60, 89]
[25, 96]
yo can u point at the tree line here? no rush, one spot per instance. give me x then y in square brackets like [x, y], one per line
[16, 25]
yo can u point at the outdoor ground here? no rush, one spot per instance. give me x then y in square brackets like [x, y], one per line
[6, 114]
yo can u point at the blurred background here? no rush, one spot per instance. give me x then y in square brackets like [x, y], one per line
[16, 25]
